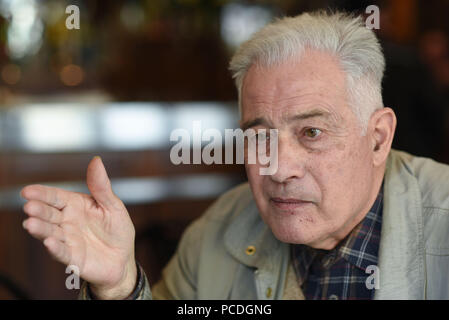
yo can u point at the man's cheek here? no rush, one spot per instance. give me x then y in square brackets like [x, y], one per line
[338, 165]
[252, 171]
[255, 179]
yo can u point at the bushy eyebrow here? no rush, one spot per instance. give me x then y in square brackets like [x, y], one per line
[310, 114]
[254, 122]
[315, 113]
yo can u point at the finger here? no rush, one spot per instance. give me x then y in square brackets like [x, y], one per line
[41, 229]
[52, 196]
[100, 186]
[58, 250]
[40, 210]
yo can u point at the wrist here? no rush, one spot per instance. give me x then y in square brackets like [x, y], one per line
[120, 290]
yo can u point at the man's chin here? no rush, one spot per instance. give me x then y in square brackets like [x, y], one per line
[292, 234]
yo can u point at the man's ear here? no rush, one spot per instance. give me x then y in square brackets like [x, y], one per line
[383, 125]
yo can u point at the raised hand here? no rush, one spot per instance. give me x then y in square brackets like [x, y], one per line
[93, 232]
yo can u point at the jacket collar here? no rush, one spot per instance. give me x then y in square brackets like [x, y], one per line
[249, 240]
[401, 252]
[268, 256]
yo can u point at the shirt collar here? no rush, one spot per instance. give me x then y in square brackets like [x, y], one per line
[361, 246]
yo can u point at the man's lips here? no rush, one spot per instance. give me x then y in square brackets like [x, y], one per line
[288, 203]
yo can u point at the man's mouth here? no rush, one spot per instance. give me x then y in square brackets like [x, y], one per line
[288, 203]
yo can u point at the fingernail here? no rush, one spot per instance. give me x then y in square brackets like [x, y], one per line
[24, 225]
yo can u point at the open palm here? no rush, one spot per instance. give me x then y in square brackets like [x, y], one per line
[93, 232]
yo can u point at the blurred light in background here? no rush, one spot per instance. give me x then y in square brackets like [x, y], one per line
[134, 126]
[26, 28]
[47, 127]
[132, 16]
[239, 22]
[211, 115]
[72, 127]
[71, 75]
[148, 190]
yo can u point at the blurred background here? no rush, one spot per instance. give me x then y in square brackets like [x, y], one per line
[136, 70]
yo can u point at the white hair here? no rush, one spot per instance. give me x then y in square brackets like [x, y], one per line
[342, 35]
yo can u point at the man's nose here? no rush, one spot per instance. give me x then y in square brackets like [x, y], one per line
[291, 162]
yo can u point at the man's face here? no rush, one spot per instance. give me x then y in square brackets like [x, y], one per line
[323, 184]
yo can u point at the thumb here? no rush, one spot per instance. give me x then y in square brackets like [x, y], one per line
[99, 184]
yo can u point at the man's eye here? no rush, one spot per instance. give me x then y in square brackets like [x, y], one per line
[312, 132]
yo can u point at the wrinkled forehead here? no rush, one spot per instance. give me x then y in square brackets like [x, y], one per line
[315, 77]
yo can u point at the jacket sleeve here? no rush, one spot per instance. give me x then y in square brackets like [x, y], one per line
[180, 276]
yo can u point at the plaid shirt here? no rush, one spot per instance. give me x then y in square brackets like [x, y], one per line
[340, 272]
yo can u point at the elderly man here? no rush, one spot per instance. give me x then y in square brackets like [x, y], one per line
[343, 217]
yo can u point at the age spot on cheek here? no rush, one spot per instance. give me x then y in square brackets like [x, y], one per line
[341, 146]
